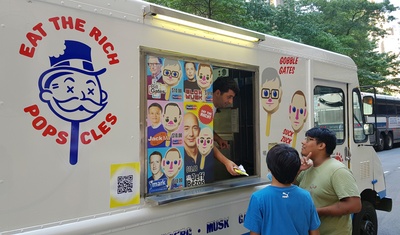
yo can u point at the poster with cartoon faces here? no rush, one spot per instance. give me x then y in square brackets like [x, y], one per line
[179, 124]
[198, 143]
[192, 91]
[165, 169]
[155, 84]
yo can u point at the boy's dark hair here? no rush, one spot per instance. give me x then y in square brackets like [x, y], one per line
[325, 136]
[224, 84]
[284, 163]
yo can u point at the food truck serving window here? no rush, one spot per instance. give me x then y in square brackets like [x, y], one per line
[181, 121]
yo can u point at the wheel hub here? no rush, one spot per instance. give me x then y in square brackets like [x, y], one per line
[368, 228]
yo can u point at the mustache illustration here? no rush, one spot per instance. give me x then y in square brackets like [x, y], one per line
[75, 104]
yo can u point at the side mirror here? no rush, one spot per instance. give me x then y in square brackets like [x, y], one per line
[368, 102]
[369, 129]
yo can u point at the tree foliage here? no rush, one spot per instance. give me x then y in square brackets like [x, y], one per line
[349, 27]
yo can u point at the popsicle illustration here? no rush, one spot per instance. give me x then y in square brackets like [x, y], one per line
[172, 73]
[271, 94]
[204, 78]
[205, 144]
[171, 120]
[297, 113]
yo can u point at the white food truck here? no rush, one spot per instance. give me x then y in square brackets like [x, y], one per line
[83, 84]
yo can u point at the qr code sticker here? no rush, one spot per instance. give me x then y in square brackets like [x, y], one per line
[125, 184]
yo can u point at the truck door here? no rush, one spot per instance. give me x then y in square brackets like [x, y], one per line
[331, 111]
[337, 106]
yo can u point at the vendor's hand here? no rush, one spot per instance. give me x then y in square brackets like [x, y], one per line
[230, 168]
[223, 144]
[306, 162]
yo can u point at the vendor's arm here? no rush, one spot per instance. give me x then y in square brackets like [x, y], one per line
[223, 144]
[230, 165]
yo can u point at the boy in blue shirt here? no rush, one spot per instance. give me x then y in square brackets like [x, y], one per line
[282, 208]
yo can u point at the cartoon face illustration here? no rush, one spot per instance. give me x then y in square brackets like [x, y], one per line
[74, 96]
[204, 76]
[205, 141]
[190, 70]
[73, 93]
[271, 90]
[298, 111]
[171, 72]
[172, 163]
[154, 114]
[191, 130]
[155, 162]
[171, 117]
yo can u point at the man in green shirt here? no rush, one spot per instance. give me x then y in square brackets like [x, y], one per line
[332, 186]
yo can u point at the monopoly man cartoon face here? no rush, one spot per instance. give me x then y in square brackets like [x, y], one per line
[271, 90]
[204, 76]
[298, 111]
[171, 117]
[71, 87]
[205, 141]
[172, 72]
[172, 163]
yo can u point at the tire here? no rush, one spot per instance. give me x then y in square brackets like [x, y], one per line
[365, 222]
[381, 144]
[389, 142]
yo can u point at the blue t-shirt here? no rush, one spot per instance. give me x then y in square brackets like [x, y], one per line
[276, 210]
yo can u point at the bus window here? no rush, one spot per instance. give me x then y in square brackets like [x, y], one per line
[391, 108]
[329, 110]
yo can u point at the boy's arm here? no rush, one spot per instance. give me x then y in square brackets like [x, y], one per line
[312, 232]
[345, 206]
[253, 233]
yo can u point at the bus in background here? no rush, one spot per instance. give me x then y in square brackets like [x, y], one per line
[384, 112]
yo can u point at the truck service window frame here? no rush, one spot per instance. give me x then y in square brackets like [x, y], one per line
[185, 110]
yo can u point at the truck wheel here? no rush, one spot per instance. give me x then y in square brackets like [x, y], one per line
[365, 222]
[381, 143]
[389, 141]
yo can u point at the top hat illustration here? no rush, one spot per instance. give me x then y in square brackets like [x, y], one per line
[76, 58]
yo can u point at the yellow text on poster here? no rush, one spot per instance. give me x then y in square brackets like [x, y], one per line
[124, 184]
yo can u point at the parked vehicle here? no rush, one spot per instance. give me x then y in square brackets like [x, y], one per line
[384, 112]
[75, 98]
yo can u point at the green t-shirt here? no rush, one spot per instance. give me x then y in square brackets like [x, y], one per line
[327, 184]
